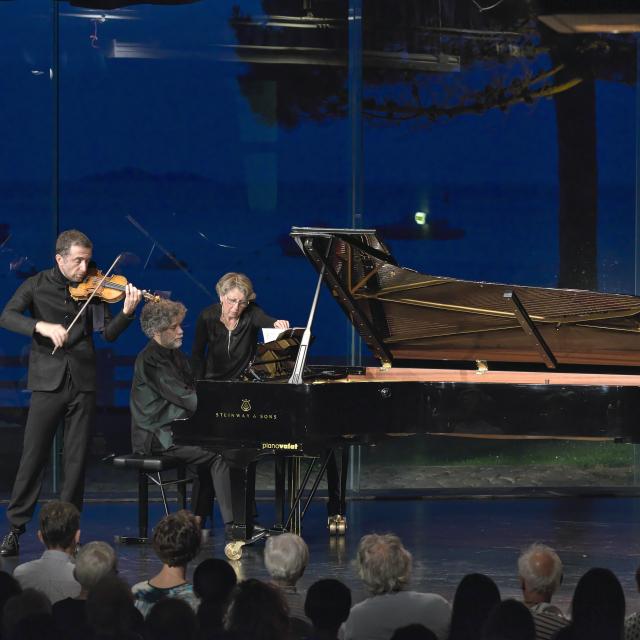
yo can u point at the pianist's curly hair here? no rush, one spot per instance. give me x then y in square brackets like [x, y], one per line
[236, 281]
[158, 316]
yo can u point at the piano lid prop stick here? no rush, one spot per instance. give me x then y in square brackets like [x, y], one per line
[296, 376]
[84, 306]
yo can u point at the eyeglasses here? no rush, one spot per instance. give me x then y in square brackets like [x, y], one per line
[240, 303]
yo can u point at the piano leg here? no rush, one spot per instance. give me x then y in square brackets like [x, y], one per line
[333, 484]
[337, 491]
[294, 522]
[343, 480]
[243, 493]
[280, 471]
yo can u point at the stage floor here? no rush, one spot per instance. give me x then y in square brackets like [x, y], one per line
[447, 537]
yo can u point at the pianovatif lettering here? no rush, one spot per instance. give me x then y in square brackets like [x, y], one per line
[281, 446]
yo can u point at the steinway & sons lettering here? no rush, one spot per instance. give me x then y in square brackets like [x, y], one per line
[231, 415]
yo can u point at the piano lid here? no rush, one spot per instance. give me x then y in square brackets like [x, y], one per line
[402, 314]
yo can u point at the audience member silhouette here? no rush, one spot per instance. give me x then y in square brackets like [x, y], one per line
[171, 619]
[286, 557]
[176, 541]
[540, 575]
[475, 597]
[111, 612]
[29, 603]
[52, 573]
[94, 561]
[327, 605]
[213, 583]
[384, 565]
[40, 626]
[509, 620]
[632, 623]
[414, 632]
[597, 608]
[9, 587]
[258, 611]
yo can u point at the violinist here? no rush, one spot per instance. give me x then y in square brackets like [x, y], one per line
[63, 383]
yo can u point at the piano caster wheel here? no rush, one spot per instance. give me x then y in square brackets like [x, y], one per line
[233, 550]
[337, 525]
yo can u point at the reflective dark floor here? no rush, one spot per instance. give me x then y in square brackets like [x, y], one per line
[447, 537]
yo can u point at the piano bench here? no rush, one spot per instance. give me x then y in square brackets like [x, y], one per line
[150, 469]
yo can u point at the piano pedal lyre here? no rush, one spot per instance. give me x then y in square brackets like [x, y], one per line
[337, 525]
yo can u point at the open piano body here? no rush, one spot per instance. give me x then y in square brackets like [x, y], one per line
[476, 359]
[498, 360]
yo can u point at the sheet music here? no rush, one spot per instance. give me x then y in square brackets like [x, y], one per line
[270, 334]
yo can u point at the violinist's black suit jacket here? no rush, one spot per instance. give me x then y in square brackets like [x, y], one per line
[45, 297]
[63, 385]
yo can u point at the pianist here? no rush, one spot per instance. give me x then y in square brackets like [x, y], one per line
[226, 338]
[227, 332]
[163, 391]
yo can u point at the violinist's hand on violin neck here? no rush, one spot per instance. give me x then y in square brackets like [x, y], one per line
[55, 332]
[132, 298]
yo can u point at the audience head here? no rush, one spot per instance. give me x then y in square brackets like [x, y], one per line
[328, 604]
[510, 620]
[30, 603]
[110, 609]
[213, 583]
[475, 597]
[214, 579]
[286, 557]
[59, 525]
[39, 626]
[414, 632]
[94, 561]
[382, 562]
[540, 573]
[9, 587]
[258, 611]
[598, 607]
[176, 539]
[169, 619]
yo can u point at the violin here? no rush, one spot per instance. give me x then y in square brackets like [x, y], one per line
[112, 289]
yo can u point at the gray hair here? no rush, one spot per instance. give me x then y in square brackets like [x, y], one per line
[382, 562]
[235, 281]
[158, 316]
[541, 569]
[71, 237]
[95, 560]
[286, 557]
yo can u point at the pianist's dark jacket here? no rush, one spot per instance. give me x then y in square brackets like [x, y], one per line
[45, 297]
[162, 391]
[216, 354]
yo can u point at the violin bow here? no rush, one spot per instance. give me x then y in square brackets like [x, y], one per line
[84, 306]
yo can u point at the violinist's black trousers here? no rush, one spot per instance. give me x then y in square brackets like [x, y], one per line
[47, 410]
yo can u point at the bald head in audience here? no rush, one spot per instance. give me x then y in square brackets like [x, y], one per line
[540, 573]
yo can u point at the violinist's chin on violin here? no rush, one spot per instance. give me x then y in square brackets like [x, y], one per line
[106, 287]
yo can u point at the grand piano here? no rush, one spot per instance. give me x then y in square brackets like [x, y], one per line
[456, 358]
